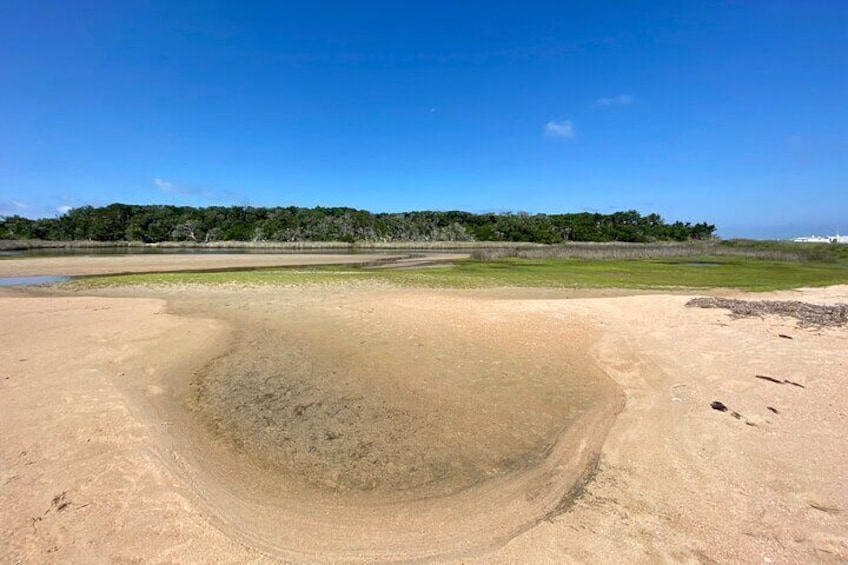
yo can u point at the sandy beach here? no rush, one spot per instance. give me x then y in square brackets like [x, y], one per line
[109, 264]
[363, 423]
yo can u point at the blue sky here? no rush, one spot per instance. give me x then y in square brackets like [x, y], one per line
[729, 112]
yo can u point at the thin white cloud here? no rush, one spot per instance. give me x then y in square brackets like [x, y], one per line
[13, 207]
[562, 130]
[198, 191]
[172, 188]
[620, 100]
[165, 185]
[18, 208]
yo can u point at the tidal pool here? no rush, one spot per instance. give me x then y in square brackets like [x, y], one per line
[417, 419]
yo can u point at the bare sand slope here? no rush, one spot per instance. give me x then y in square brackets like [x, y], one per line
[81, 472]
[681, 482]
[118, 448]
[138, 263]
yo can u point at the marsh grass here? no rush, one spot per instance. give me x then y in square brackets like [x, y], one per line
[283, 277]
[765, 250]
[694, 271]
[733, 272]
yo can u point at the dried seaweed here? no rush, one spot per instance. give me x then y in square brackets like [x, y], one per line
[808, 315]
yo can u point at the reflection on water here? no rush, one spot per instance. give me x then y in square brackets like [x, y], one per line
[25, 281]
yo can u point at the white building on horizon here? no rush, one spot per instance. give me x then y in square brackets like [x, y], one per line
[819, 239]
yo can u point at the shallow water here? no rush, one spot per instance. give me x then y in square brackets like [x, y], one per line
[27, 281]
[420, 423]
[357, 397]
[345, 417]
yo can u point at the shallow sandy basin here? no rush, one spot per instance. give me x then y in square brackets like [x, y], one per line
[92, 469]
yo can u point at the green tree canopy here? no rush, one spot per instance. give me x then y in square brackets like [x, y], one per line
[158, 223]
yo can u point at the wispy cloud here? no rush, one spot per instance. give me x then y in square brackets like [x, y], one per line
[173, 188]
[197, 191]
[13, 207]
[562, 130]
[27, 210]
[620, 100]
[165, 185]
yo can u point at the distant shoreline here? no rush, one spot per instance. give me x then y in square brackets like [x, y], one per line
[27, 244]
[483, 250]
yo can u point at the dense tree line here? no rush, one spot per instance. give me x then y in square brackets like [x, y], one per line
[154, 223]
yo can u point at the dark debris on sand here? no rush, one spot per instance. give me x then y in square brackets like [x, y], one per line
[808, 315]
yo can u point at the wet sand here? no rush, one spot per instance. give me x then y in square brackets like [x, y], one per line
[363, 423]
[423, 424]
[90, 265]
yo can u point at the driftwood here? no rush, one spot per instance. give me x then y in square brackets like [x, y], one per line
[722, 407]
[808, 315]
[779, 381]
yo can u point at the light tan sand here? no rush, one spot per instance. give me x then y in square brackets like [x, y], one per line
[99, 464]
[155, 263]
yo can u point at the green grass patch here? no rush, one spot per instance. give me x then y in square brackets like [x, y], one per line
[245, 277]
[709, 272]
[689, 272]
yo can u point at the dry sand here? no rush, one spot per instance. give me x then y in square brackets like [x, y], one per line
[108, 264]
[416, 425]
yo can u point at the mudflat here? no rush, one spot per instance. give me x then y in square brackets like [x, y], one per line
[357, 422]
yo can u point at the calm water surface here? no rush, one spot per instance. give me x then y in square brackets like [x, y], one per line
[25, 281]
